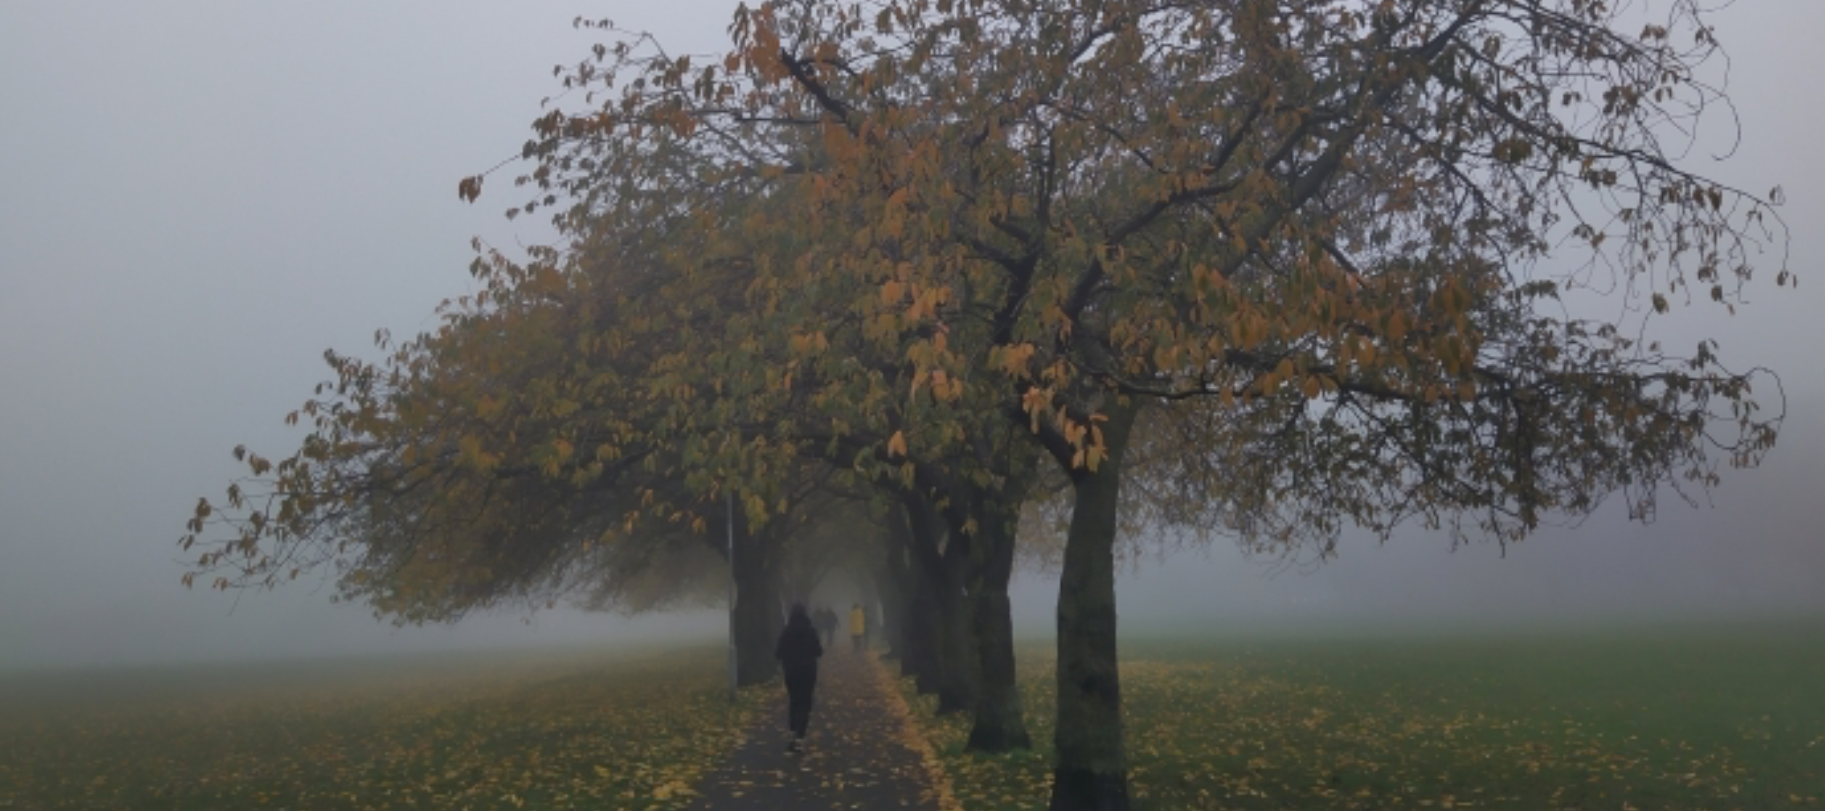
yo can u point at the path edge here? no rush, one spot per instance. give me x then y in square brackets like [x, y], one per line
[913, 738]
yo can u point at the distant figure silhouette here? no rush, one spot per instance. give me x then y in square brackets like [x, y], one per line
[858, 626]
[824, 619]
[797, 652]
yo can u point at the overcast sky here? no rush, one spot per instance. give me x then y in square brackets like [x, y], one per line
[197, 198]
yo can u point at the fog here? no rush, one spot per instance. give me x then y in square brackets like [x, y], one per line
[197, 199]
[1754, 553]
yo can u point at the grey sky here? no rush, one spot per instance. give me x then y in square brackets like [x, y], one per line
[197, 198]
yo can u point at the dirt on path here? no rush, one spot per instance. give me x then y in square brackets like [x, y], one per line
[861, 751]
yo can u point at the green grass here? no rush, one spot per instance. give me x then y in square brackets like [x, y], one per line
[621, 729]
[1704, 718]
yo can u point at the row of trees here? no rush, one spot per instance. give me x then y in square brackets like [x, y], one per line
[890, 276]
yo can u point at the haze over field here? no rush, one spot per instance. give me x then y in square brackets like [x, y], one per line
[196, 201]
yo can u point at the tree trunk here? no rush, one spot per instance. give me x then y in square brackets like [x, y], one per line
[916, 644]
[1090, 773]
[756, 608]
[922, 660]
[999, 724]
[927, 624]
[957, 680]
[945, 573]
[893, 609]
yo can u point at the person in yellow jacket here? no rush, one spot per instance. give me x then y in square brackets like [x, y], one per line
[858, 626]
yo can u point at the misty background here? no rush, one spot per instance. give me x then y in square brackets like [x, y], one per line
[197, 198]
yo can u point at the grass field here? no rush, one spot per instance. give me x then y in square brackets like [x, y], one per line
[1715, 718]
[618, 729]
[1710, 718]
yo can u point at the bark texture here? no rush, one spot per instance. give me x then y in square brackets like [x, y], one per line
[999, 724]
[1090, 773]
[890, 583]
[957, 682]
[928, 609]
[918, 653]
[757, 615]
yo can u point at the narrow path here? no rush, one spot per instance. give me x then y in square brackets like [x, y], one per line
[861, 753]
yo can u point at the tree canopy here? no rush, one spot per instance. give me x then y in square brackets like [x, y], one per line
[1273, 268]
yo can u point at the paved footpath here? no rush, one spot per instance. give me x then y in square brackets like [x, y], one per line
[862, 751]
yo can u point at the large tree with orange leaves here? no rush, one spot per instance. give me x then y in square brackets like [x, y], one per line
[569, 430]
[1321, 242]
[1321, 234]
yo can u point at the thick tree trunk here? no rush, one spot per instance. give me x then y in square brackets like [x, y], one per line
[945, 573]
[922, 659]
[917, 648]
[893, 610]
[1090, 773]
[757, 620]
[957, 682]
[999, 724]
[893, 591]
[928, 626]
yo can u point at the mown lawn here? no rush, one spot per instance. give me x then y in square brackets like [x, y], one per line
[615, 729]
[1708, 718]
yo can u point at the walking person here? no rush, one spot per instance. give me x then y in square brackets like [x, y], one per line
[858, 627]
[798, 651]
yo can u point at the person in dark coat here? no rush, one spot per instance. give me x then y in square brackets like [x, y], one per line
[798, 651]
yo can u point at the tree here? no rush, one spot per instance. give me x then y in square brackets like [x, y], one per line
[844, 544]
[789, 368]
[502, 458]
[1318, 232]
[592, 389]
